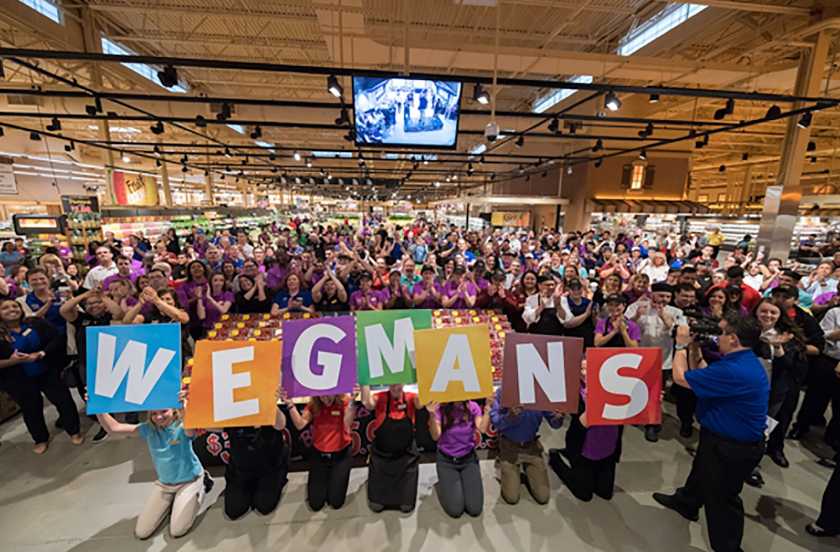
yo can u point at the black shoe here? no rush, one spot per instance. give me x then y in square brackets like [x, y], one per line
[670, 502]
[778, 457]
[827, 463]
[407, 508]
[59, 424]
[755, 479]
[817, 531]
[686, 430]
[101, 435]
[651, 434]
[797, 433]
[208, 483]
[376, 507]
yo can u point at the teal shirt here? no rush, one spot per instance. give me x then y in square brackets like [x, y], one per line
[172, 453]
[805, 301]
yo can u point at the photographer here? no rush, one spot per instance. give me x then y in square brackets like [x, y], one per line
[732, 396]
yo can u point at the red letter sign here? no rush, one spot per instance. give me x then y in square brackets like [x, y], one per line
[623, 386]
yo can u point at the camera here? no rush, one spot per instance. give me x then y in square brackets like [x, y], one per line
[491, 132]
[702, 327]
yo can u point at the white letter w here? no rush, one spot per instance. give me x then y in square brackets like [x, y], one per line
[132, 361]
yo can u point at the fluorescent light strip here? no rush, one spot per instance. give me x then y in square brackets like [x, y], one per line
[667, 19]
[546, 102]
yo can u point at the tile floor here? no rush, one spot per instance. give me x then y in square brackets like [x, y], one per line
[87, 499]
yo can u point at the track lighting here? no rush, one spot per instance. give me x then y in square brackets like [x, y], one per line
[647, 131]
[598, 163]
[342, 118]
[67, 147]
[520, 141]
[699, 144]
[611, 101]
[168, 77]
[200, 121]
[653, 98]
[158, 163]
[812, 146]
[296, 155]
[184, 168]
[34, 136]
[224, 112]
[185, 159]
[722, 168]
[227, 152]
[726, 110]
[774, 112]
[470, 170]
[55, 125]
[272, 156]
[643, 155]
[480, 94]
[126, 158]
[308, 163]
[569, 170]
[157, 128]
[805, 120]
[599, 145]
[553, 125]
[334, 87]
[745, 156]
[95, 108]
[156, 149]
[256, 134]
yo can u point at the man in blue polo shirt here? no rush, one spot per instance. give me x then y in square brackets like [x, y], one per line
[732, 396]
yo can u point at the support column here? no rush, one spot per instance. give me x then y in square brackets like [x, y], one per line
[208, 189]
[164, 178]
[781, 212]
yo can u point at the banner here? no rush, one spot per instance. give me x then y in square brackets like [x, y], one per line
[233, 384]
[454, 364]
[386, 348]
[542, 372]
[134, 189]
[319, 356]
[133, 367]
[623, 386]
[510, 218]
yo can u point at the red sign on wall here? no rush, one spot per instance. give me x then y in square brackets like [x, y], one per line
[624, 386]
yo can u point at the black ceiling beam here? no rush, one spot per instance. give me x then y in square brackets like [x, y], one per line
[14, 53]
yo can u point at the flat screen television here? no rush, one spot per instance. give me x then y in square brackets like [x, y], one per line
[406, 112]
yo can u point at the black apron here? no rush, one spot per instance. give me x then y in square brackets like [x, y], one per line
[393, 466]
[256, 452]
[548, 324]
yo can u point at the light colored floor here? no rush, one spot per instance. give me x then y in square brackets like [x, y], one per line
[87, 499]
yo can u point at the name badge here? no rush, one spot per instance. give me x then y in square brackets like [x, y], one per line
[335, 413]
[401, 406]
[175, 442]
[26, 332]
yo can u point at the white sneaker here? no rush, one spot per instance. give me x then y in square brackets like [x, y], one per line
[210, 493]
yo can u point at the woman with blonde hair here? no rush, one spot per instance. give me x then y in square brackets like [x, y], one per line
[330, 457]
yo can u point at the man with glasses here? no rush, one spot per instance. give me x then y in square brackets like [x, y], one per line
[732, 396]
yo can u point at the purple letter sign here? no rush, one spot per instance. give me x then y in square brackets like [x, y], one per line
[319, 356]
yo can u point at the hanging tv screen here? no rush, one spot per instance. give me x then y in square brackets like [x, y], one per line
[406, 112]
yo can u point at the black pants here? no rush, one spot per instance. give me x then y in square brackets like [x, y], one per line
[585, 477]
[784, 396]
[830, 511]
[717, 476]
[329, 475]
[823, 388]
[27, 392]
[686, 403]
[246, 490]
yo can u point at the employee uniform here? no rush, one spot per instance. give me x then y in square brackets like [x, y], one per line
[732, 396]
[592, 453]
[330, 458]
[459, 476]
[393, 466]
[520, 449]
[27, 381]
[547, 322]
[256, 472]
[822, 381]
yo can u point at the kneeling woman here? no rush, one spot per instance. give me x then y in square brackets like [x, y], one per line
[592, 452]
[331, 457]
[257, 470]
[182, 483]
[453, 426]
[392, 472]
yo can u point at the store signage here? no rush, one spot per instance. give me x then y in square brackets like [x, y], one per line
[233, 384]
[454, 364]
[319, 356]
[134, 189]
[79, 204]
[386, 349]
[133, 368]
[8, 183]
[542, 372]
[623, 386]
[511, 218]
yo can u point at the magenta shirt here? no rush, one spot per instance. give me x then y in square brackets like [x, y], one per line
[461, 302]
[458, 439]
[429, 302]
[604, 326]
[212, 314]
[357, 300]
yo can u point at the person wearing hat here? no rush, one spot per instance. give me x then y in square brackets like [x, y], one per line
[427, 293]
[365, 298]
[396, 295]
[458, 292]
[616, 330]
[543, 313]
[578, 313]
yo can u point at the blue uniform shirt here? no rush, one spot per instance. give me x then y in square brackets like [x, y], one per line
[28, 341]
[732, 396]
[521, 428]
[172, 453]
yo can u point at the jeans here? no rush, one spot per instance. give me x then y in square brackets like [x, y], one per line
[459, 485]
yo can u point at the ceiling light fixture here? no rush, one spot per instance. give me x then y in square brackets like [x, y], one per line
[168, 77]
[334, 87]
[256, 134]
[812, 146]
[805, 120]
[598, 163]
[653, 98]
[599, 145]
[296, 155]
[200, 121]
[480, 94]
[520, 141]
[553, 125]
[722, 168]
[745, 156]
[643, 155]
[157, 128]
[611, 101]
[728, 109]
[55, 125]
[774, 112]
[224, 112]
[34, 136]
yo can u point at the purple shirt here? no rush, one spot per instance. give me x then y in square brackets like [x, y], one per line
[275, 277]
[461, 302]
[212, 314]
[824, 298]
[600, 441]
[357, 300]
[429, 302]
[458, 439]
[113, 277]
[604, 326]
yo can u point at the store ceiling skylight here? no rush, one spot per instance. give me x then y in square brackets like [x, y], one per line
[264, 144]
[665, 20]
[549, 100]
[142, 69]
[46, 8]
[120, 129]
[238, 128]
[342, 154]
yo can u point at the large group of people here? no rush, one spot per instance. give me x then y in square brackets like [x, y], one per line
[742, 336]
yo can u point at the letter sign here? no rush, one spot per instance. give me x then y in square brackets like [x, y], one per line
[319, 356]
[542, 372]
[454, 364]
[624, 386]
